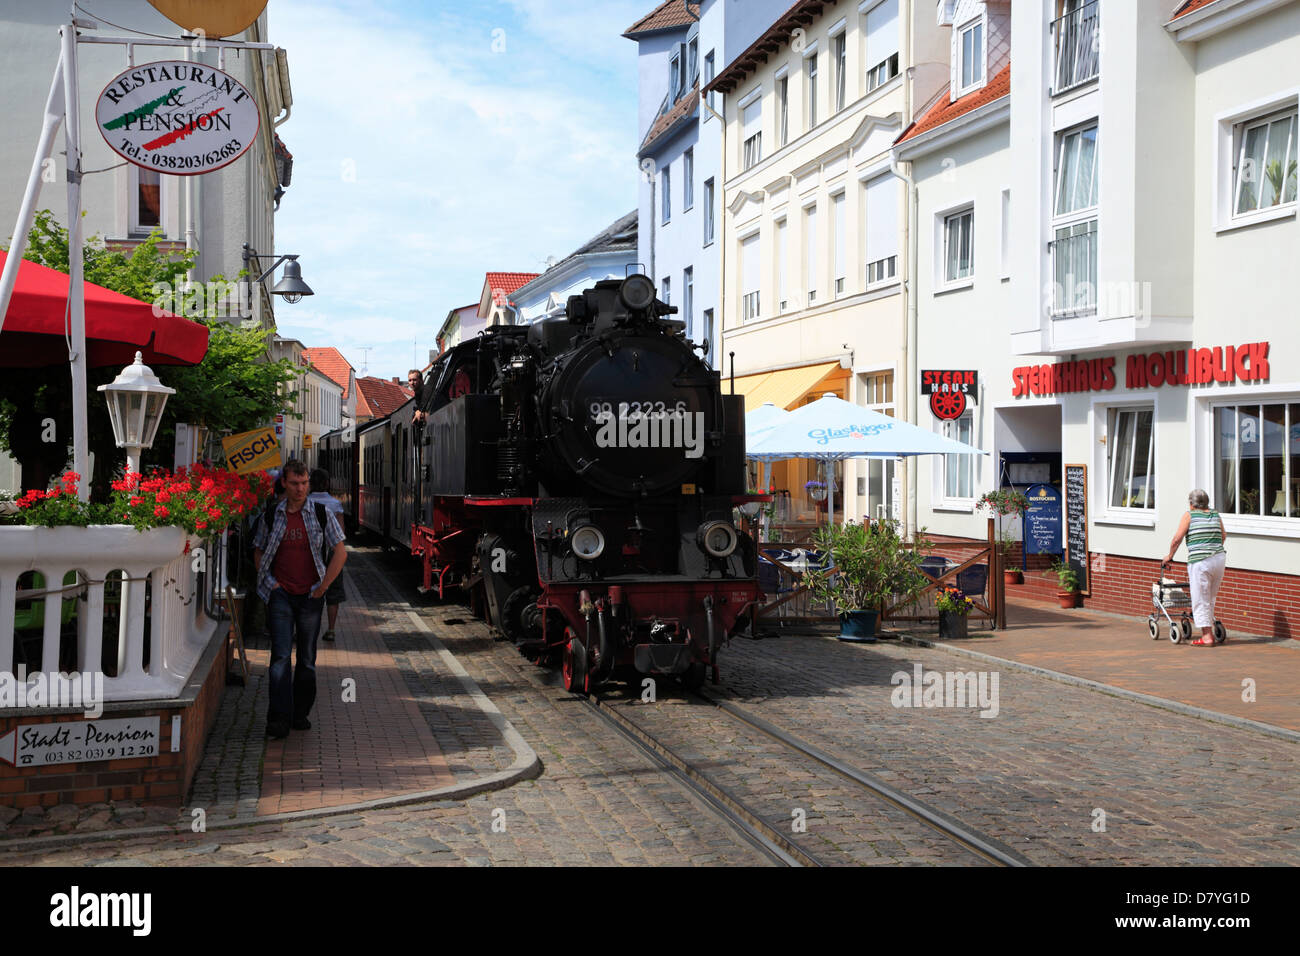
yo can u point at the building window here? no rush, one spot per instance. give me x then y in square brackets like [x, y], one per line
[782, 271]
[708, 333]
[811, 74]
[750, 279]
[882, 229]
[882, 43]
[840, 63]
[838, 238]
[676, 68]
[972, 56]
[710, 71]
[752, 133]
[1130, 458]
[810, 252]
[959, 246]
[1076, 42]
[1006, 234]
[783, 110]
[1264, 173]
[688, 302]
[666, 294]
[665, 187]
[693, 61]
[145, 200]
[878, 395]
[1074, 222]
[688, 179]
[1257, 459]
[959, 470]
[708, 211]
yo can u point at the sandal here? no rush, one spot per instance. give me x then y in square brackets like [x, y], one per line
[1202, 643]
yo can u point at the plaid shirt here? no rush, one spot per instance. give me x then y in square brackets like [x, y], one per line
[268, 544]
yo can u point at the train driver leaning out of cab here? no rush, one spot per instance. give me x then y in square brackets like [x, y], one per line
[416, 383]
[290, 553]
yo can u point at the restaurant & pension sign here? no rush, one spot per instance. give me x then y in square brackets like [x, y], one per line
[177, 117]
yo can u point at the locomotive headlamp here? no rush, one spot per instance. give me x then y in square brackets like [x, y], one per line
[587, 542]
[637, 293]
[717, 538]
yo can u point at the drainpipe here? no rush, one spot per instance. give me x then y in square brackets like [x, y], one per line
[909, 291]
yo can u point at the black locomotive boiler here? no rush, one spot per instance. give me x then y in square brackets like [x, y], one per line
[578, 475]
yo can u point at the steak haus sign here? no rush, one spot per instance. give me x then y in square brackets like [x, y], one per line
[177, 117]
[1241, 363]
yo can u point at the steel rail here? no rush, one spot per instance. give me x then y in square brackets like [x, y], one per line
[984, 846]
[773, 844]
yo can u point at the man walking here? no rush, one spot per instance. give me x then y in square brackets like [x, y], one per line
[290, 553]
[320, 492]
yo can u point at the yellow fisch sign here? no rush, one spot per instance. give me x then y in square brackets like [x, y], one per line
[251, 451]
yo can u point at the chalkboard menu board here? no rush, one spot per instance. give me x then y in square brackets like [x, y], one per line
[1043, 520]
[1076, 522]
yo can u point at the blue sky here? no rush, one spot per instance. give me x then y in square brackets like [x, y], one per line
[436, 141]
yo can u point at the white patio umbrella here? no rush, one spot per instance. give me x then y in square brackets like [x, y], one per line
[831, 429]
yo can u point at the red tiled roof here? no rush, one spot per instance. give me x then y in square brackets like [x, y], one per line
[1191, 6]
[670, 14]
[943, 111]
[378, 397]
[331, 363]
[508, 282]
[683, 108]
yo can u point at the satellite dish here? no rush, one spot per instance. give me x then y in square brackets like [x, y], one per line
[216, 18]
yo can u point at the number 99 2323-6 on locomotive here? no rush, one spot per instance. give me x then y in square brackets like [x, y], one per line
[577, 477]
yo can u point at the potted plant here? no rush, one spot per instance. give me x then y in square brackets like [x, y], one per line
[954, 608]
[1010, 575]
[869, 564]
[1068, 578]
[1003, 501]
[816, 490]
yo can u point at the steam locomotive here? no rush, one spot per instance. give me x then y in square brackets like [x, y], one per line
[577, 477]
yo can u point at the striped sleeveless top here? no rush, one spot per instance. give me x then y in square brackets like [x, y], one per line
[1203, 537]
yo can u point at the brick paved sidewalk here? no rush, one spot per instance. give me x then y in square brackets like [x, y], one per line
[368, 738]
[1118, 651]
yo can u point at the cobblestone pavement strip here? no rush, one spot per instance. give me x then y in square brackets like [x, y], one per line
[1173, 789]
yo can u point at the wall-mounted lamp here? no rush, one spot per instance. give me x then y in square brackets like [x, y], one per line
[291, 285]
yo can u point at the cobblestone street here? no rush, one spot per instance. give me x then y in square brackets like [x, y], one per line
[1042, 776]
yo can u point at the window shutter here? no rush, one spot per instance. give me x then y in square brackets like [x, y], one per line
[838, 202]
[781, 269]
[882, 218]
[749, 265]
[882, 32]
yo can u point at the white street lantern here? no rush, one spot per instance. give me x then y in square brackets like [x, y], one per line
[135, 404]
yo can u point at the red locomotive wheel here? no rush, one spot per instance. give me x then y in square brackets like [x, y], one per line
[947, 405]
[574, 666]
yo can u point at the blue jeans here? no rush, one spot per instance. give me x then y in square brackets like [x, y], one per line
[292, 699]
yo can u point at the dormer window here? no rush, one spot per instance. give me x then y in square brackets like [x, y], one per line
[970, 47]
[677, 76]
[693, 61]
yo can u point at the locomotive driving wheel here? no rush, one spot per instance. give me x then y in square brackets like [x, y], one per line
[947, 405]
[574, 664]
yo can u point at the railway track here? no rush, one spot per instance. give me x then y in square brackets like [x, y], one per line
[750, 821]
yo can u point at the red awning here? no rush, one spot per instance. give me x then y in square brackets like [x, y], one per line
[117, 326]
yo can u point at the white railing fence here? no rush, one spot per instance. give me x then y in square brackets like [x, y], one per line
[138, 604]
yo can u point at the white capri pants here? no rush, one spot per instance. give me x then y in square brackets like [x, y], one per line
[1205, 577]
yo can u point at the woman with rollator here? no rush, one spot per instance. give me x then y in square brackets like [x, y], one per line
[1206, 559]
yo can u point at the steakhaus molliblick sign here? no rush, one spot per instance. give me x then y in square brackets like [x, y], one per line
[177, 117]
[1241, 363]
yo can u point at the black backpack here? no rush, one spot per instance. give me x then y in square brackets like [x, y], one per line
[322, 520]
